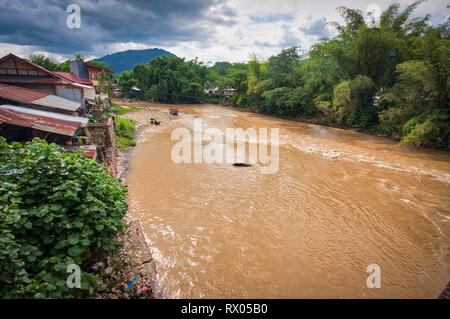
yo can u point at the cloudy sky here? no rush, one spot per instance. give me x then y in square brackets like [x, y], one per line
[212, 30]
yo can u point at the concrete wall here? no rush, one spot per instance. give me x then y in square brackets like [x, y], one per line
[70, 93]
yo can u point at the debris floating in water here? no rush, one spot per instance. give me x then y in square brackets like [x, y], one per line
[241, 165]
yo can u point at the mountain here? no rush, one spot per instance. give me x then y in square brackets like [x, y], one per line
[125, 61]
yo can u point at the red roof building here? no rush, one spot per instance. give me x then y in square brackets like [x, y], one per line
[70, 76]
[41, 120]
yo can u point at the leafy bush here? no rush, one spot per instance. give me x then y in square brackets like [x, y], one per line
[285, 100]
[342, 94]
[353, 101]
[420, 130]
[56, 209]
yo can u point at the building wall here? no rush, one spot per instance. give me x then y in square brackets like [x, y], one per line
[70, 93]
[89, 93]
[78, 68]
[16, 67]
[103, 135]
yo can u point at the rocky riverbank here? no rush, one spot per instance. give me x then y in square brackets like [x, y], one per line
[131, 272]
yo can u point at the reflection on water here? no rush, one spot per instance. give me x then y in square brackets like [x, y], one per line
[340, 201]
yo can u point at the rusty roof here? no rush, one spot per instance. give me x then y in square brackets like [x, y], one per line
[90, 151]
[73, 78]
[41, 120]
[96, 67]
[22, 95]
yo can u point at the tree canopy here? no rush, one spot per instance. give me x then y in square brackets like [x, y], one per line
[391, 80]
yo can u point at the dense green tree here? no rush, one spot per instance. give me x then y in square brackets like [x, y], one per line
[168, 79]
[392, 79]
[44, 61]
[126, 82]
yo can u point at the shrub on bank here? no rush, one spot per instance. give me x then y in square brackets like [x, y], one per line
[124, 129]
[56, 209]
[122, 142]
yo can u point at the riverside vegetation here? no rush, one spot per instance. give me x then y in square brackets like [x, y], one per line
[56, 209]
[393, 80]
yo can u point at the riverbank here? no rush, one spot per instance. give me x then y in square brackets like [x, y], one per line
[320, 120]
[131, 272]
[316, 120]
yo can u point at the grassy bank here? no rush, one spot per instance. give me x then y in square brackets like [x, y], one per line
[123, 128]
[119, 110]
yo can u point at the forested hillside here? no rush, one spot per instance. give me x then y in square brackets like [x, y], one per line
[125, 61]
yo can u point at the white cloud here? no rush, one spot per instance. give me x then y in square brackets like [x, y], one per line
[240, 27]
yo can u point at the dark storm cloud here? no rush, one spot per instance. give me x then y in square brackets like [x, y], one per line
[43, 22]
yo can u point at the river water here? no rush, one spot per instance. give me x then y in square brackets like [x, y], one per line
[339, 202]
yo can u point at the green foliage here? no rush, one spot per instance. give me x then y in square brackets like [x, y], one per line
[126, 82]
[119, 110]
[391, 80]
[104, 85]
[56, 209]
[217, 73]
[122, 142]
[377, 79]
[125, 61]
[405, 62]
[281, 68]
[124, 127]
[79, 57]
[101, 64]
[342, 95]
[353, 102]
[44, 61]
[419, 131]
[286, 100]
[168, 79]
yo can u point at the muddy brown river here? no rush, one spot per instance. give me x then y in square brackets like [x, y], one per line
[339, 202]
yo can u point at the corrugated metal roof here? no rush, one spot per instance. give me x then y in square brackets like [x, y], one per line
[73, 78]
[96, 67]
[19, 94]
[89, 150]
[58, 103]
[41, 120]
